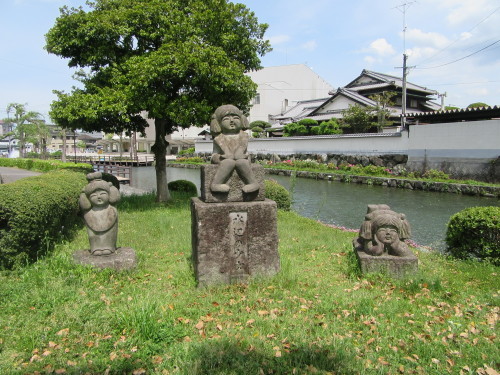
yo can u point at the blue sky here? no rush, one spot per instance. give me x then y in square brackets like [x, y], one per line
[454, 45]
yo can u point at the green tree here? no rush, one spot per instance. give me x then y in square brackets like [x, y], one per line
[357, 119]
[328, 127]
[81, 145]
[177, 60]
[25, 125]
[294, 129]
[381, 108]
[477, 105]
[259, 128]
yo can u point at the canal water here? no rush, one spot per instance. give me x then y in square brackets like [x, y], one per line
[344, 204]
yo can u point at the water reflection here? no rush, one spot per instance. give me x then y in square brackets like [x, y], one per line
[345, 204]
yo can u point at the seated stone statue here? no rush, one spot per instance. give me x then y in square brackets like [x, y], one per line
[99, 214]
[230, 149]
[383, 232]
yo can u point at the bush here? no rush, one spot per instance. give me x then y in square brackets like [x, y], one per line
[189, 160]
[279, 194]
[434, 174]
[475, 233]
[184, 186]
[35, 212]
[45, 165]
[187, 151]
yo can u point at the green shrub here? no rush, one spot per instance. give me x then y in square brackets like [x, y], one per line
[44, 165]
[475, 233]
[279, 194]
[434, 174]
[189, 160]
[35, 212]
[187, 151]
[184, 186]
[32, 155]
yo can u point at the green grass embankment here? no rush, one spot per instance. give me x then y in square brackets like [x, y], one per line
[317, 316]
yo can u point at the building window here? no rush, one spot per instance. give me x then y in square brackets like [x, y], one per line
[256, 99]
[413, 103]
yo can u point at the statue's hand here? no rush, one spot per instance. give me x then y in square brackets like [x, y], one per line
[215, 159]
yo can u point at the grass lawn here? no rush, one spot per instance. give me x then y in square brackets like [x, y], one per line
[317, 316]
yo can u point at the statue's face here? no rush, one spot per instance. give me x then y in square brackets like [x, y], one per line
[387, 234]
[99, 198]
[231, 124]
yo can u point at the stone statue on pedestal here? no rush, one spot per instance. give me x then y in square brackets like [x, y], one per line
[380, 245]
[228, 127]
[101, 217]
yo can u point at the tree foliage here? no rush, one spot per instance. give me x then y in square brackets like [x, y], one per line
[259, 128]
[28, 126]
[294, 129]
[477, 105]
[381, 108]
[175, 59]
[357, 119]
[329, 127]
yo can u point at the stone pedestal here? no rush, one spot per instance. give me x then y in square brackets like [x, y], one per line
[395, 266]
[123, 258]
[234, 241]
[235, 193]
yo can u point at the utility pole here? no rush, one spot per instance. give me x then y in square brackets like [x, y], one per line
[402, 8]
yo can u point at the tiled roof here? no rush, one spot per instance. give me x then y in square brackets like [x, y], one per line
[476, 113]
[388, 80]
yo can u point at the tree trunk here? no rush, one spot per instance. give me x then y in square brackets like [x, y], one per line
[160, 151]
[63, 155]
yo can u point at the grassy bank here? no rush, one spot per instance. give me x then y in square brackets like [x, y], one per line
[315, 317]
[352, 170]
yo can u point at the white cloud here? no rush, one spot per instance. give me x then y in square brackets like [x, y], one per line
[310, 45]
[426, 38]
[370, 60]
[381, 47]
[279, 39]
[466, 10]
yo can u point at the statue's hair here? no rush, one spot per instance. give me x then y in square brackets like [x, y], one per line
[222, 111]
[98, 184]
[380, 217]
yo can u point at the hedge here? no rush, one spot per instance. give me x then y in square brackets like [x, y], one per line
[279, 194]
[475, 233]
[35, 212]
[44, 165]
[183, 186]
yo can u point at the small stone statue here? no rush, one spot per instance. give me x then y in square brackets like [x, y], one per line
[230, 149]
[101, 217]
[383, 232]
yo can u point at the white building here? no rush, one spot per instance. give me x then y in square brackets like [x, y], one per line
[281, 87]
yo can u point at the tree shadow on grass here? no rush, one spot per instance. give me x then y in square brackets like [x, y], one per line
[146, 202]
[227, 357]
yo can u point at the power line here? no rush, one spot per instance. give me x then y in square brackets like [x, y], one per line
[462, 58]
[462, 83]
[456, 40]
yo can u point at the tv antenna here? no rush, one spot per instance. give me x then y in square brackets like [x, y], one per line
[403, 7]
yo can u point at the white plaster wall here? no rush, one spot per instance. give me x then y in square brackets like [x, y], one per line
[473, 139]
[292, 82]
[346, 144]
[465, 140]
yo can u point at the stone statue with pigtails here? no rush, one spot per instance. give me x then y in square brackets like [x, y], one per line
[383, 232]
[101, 217]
